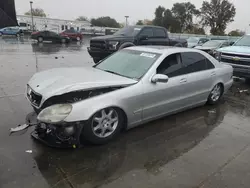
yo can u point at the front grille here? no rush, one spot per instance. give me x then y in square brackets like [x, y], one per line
[236, 59]
[34, 98]
[236, 55]
[96, 44]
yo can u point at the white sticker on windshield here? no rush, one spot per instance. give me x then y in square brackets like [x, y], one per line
[148, 55]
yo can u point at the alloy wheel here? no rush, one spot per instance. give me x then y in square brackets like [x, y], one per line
[105, 122]
[216, 93]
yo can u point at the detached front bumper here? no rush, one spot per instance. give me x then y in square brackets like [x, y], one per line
[59, 136]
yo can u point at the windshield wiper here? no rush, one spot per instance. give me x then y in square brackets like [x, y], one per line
[112, 72]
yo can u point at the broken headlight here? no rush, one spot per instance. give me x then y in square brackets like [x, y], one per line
[217, 55]
[55, 113]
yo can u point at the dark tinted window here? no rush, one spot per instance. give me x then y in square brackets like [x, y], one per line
[170, 66]
[158, 32]
[51, 33]
[194, 62]
[147, 32]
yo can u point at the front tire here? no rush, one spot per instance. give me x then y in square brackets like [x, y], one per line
[103, 126]
[215, 95]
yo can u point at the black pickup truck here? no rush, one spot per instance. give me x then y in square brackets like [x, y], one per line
[103, 46]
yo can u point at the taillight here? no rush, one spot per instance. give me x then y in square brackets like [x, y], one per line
[34, 33]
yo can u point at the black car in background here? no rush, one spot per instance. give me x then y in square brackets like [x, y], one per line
[41, 36]
[103, 46]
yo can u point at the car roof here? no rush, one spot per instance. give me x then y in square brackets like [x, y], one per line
[162, 49]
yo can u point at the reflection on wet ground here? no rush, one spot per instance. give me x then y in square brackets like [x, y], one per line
[204, 147]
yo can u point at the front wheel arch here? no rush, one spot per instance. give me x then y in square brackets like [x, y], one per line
[125, 124]
[125, 45]
[88, 134]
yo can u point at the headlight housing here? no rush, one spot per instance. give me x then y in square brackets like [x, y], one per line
[218, 55]
[113, 45]
[55, 113]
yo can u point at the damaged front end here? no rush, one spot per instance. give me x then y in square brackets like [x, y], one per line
[66, 135]
[50, 127]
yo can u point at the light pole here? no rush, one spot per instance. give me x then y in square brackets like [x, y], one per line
[31, 13]
[126, 20]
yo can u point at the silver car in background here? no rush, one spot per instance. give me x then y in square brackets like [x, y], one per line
[131, 87]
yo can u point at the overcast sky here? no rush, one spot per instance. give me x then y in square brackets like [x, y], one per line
[136, 9]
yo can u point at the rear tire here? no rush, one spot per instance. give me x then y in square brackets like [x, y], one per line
[63, 41]
[40, 39]
[215, 95]
[103, 126]
[178, 45]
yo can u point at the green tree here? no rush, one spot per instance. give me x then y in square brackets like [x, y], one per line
[196, 29]
[217, 14]
[105, 22]
[159, 16]
[184, 13]
[165, 18]
[236, 33]
[36, 12]
[139, 22]
[170, 22]
[82, 18]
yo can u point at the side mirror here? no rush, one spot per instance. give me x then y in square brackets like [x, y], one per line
[143, 37]
[231, 43]
[159, 78]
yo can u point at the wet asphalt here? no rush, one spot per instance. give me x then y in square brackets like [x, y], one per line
[205, 147]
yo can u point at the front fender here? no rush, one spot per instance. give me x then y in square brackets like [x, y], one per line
[127, 99]
[82, 111]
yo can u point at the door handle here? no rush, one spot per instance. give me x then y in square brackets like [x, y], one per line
[213, 73]
[183, 80]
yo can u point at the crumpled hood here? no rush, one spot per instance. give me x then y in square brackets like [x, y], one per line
[205, 48]
[63, 80]
[236, 49]
[192, 44]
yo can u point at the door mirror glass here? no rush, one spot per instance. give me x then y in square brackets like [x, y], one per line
[162, 78]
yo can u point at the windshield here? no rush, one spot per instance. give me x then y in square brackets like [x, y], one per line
[129, 63]
[244, 41]
[193, 40]
[128, 31]
[212, 43]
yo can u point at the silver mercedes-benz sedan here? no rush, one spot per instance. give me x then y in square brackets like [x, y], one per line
[130, 87]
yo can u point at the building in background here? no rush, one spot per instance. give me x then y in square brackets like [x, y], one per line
[7, 13]
[56, 25]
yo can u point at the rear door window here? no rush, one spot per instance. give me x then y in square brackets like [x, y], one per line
[147, 32]
[159, 33]
[195, 62]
